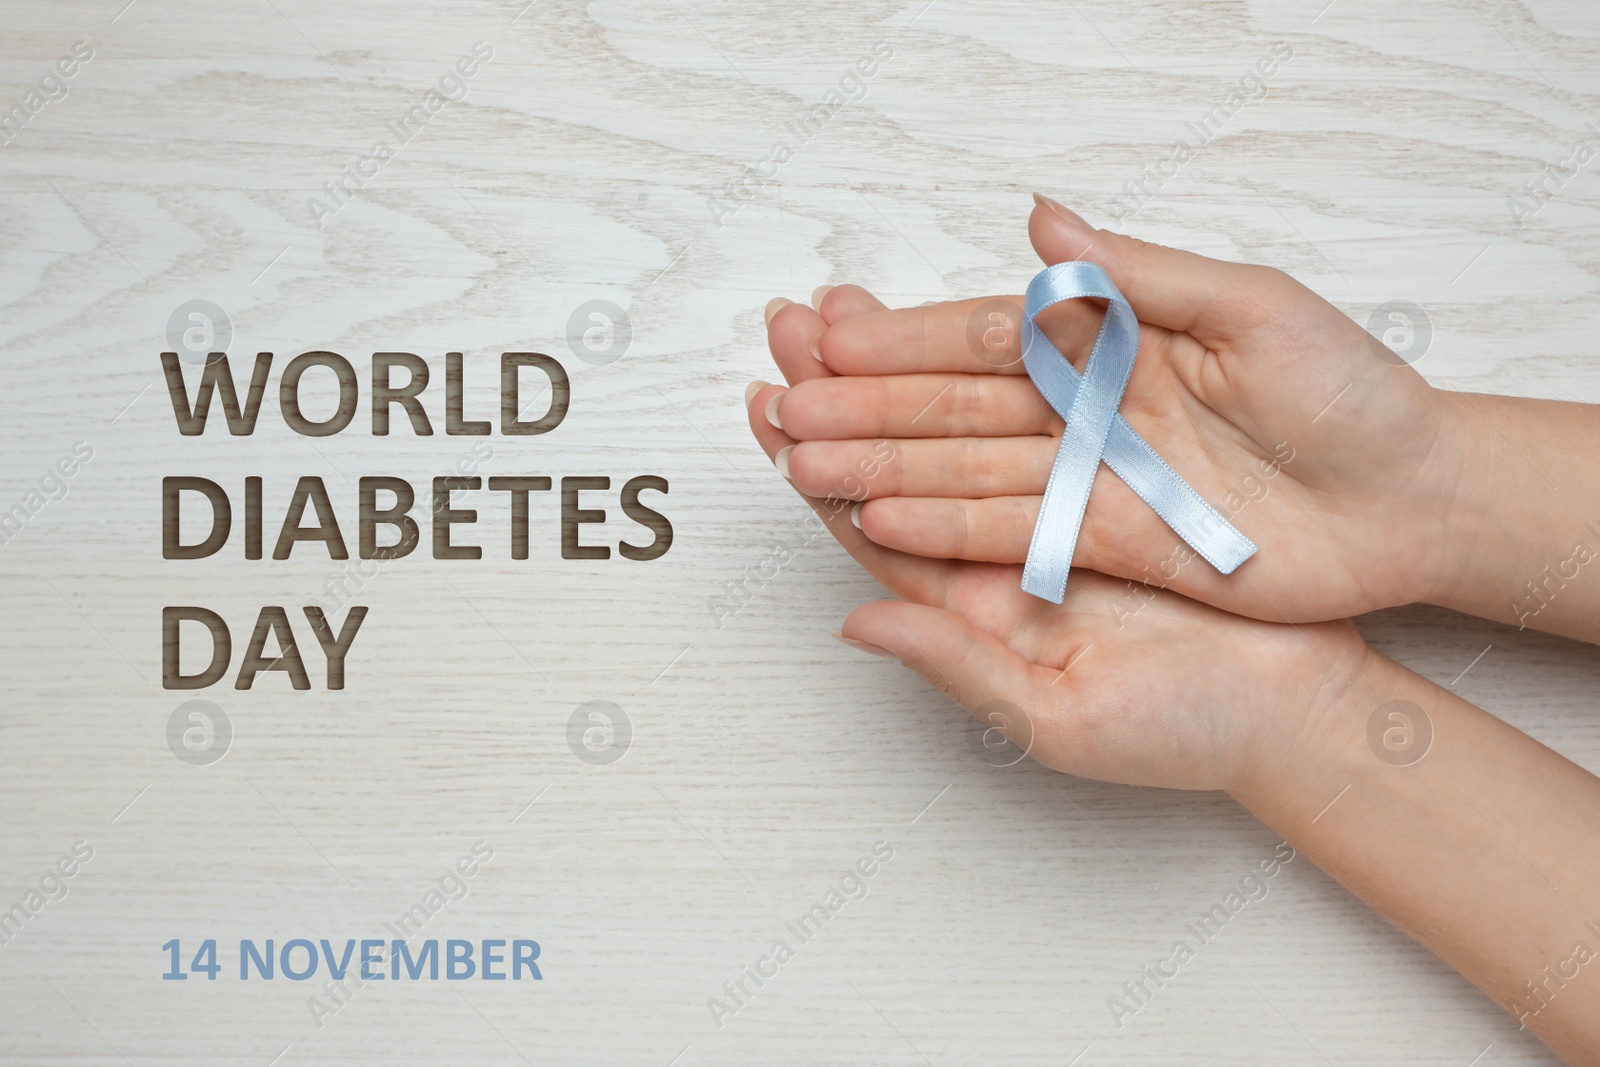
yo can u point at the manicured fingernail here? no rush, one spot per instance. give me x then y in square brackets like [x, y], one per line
[752, 389]
[862, 646]
[1061, 211]
[775, 305]
[772, 409]
[818, 293]
[855, 516]
[781, 460]
[816, 350]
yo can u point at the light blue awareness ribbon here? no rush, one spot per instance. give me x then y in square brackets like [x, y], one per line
[1095, 431]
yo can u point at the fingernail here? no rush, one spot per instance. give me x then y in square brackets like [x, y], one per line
[816, 350]
[752, 389]
[862, 646]
[817, 294]
[855, 516]
[772, 409]
[781, 460]
[1061, 211]
[775, 305]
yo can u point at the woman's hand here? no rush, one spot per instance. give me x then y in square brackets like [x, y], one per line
[1337, 459]
[1147, 688]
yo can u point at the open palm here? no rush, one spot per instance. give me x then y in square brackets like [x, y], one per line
[1335, 457]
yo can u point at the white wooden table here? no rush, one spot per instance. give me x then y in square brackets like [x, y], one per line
[1377, 164]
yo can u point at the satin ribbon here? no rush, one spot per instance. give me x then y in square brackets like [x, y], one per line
[1095, 431]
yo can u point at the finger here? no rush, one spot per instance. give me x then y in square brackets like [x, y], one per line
[1169, 287]
[793, 332]
[914, 405]
[1002, 688]
[838, 302]
[941, 466]
[793, 341]
[979, 336]
[911, 577]
[1120, 535]
[991, 530]
[962, 661]
[1121, 538]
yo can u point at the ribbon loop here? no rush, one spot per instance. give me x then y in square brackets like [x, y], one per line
[1095, 431]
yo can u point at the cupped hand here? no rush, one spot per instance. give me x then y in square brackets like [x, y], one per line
[1327, 450]
[1149, 688]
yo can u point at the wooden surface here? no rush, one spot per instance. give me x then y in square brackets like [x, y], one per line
[765, 758]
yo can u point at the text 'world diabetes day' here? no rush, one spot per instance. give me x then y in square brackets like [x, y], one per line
[377, 516]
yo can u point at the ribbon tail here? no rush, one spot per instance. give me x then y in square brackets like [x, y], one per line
[1200, 525]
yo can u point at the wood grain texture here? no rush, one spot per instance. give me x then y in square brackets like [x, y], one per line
[766, 758]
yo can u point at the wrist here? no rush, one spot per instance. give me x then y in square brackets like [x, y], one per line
[1467, 524]
[1301, 760]
[1419, 499]
[1522, 525]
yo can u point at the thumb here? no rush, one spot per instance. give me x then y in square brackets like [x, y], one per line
[1169, 287]
[972, 667]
